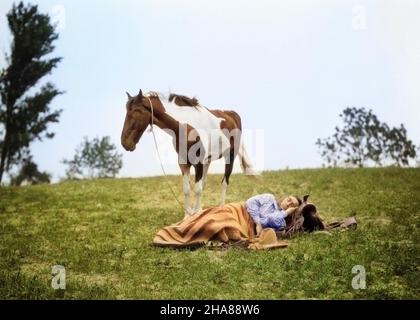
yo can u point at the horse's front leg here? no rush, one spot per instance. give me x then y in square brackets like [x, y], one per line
[205, 171]
[186, 188]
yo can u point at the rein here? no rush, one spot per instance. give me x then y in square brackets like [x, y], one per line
[157, 151]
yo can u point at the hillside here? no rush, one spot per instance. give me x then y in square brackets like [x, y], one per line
[101, 231]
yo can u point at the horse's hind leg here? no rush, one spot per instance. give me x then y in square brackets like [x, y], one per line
[228, 171]
[199, 184]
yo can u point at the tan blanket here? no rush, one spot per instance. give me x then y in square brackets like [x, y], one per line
[228, 224]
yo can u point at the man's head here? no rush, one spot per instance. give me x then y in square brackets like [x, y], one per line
[290, 202]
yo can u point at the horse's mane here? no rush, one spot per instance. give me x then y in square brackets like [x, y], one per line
[182, 101]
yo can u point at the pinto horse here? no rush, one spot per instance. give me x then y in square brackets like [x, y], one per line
[199, 136]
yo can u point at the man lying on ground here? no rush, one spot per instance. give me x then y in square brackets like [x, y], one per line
[258, 223]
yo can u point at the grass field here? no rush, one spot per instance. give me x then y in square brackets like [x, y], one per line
[101, 232]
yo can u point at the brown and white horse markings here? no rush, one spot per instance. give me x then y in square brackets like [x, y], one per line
[200, 135]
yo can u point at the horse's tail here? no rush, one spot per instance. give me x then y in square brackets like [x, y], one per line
[246, 164]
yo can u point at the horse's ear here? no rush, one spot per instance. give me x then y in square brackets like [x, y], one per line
[140, 94]
[305, 197]
[128, 95]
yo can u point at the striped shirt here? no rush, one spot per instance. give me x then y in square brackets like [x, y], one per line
[263, 209]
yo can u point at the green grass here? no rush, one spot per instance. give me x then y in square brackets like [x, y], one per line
[102, 230]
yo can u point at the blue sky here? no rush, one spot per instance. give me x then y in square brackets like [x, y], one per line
[287, 67]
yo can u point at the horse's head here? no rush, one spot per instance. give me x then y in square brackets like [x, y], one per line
[136, 120]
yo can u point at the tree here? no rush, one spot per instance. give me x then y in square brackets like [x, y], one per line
[364, 139]
[94, 159]
[399, 148]
[30, 174]
[23, 117]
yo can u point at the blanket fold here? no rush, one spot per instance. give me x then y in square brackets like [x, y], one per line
[228, 224]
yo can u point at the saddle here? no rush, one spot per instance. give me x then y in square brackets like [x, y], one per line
[307, 219]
